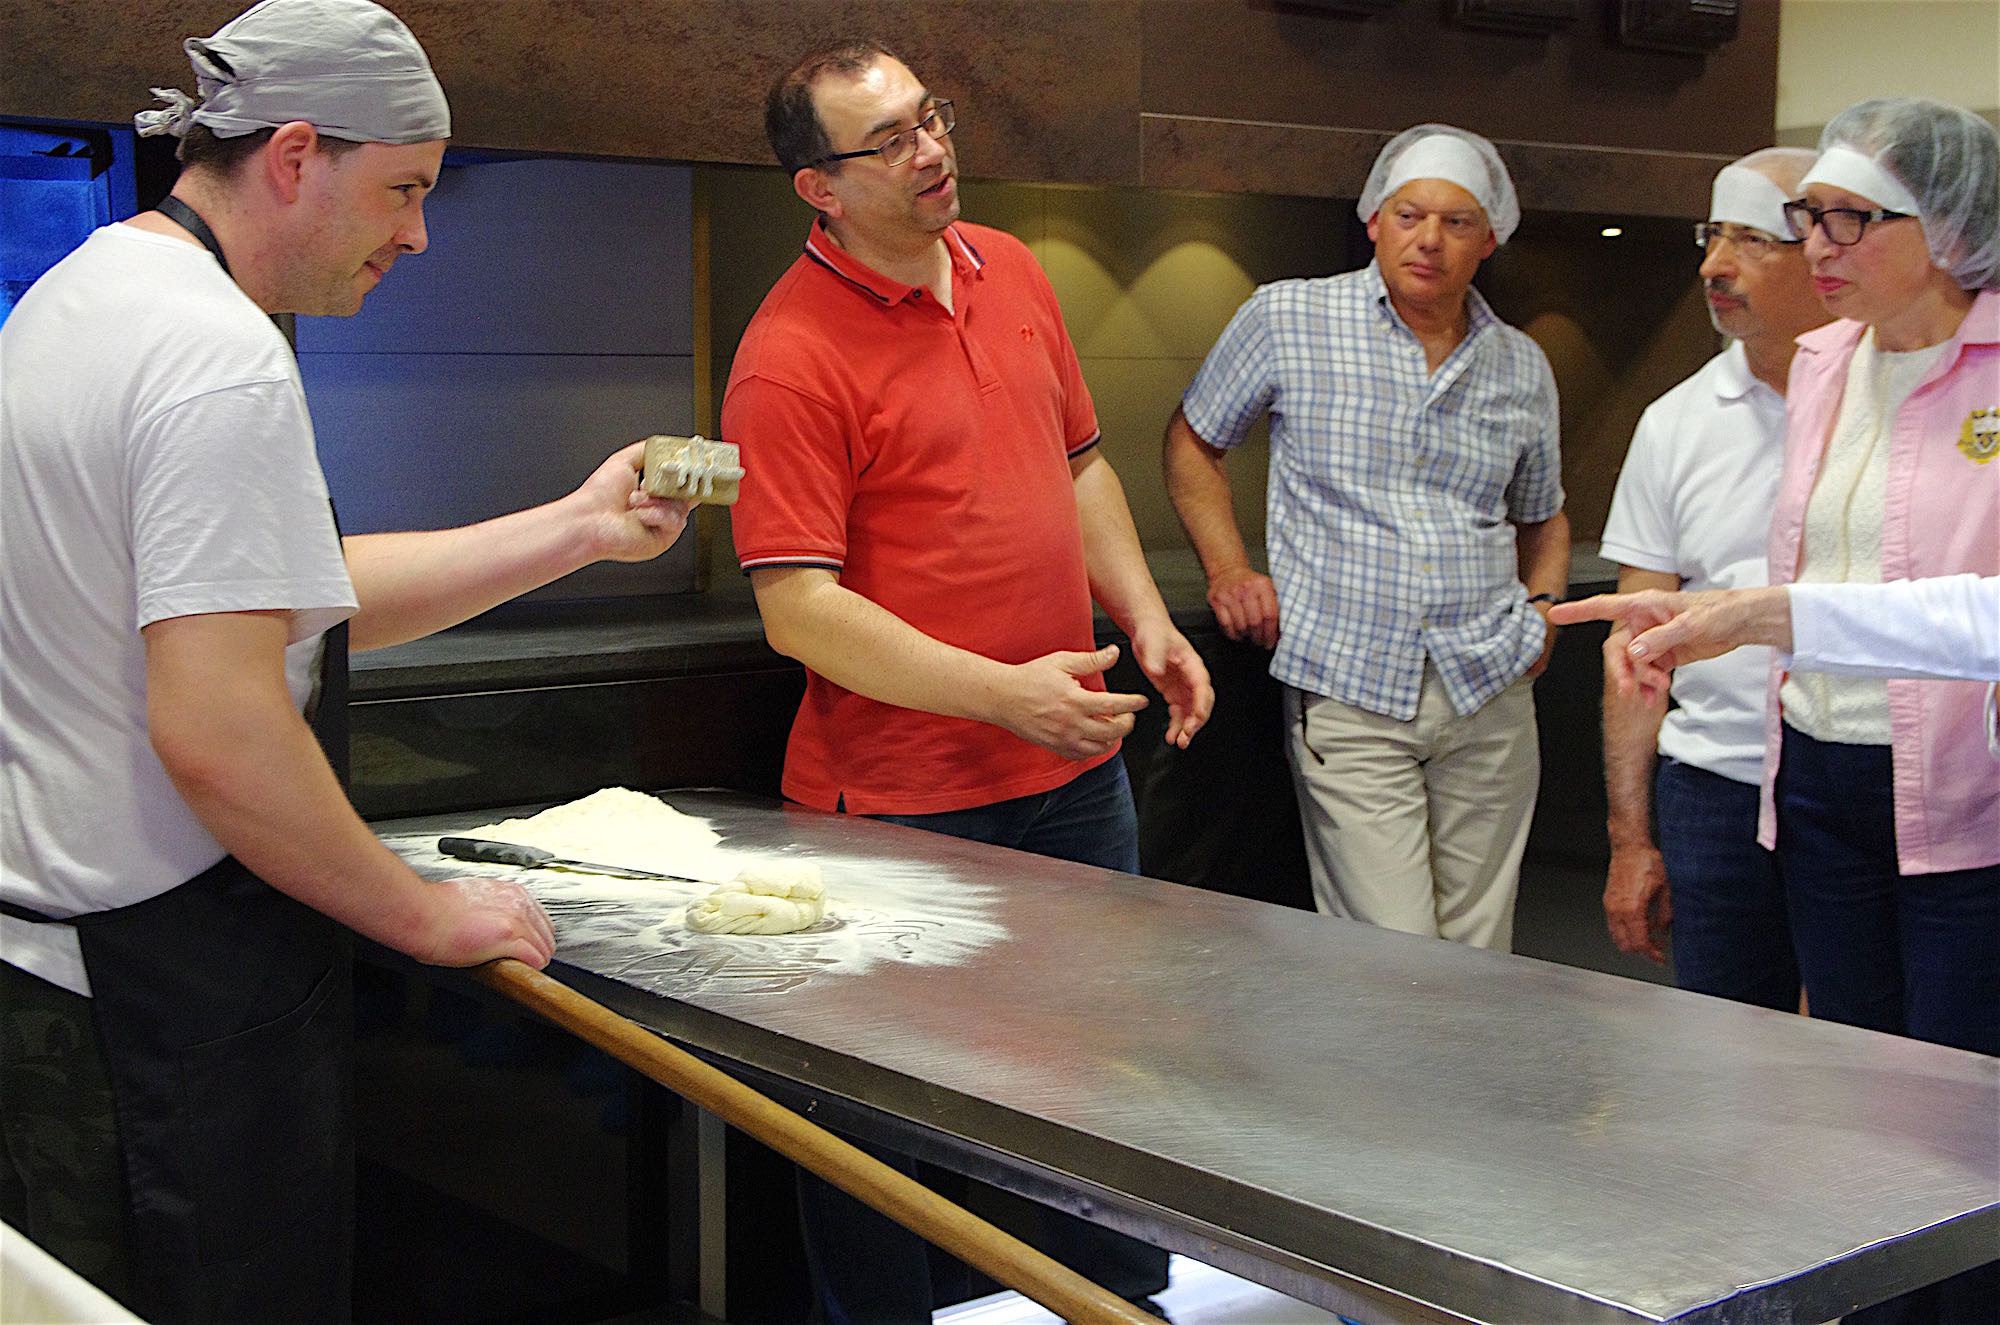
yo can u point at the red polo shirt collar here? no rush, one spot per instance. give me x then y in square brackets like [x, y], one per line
[821, 248]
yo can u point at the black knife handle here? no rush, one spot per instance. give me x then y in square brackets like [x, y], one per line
[494, 853]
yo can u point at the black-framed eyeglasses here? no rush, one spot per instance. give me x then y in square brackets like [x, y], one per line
[1843, 225]
[1749, 242]
[900, 146]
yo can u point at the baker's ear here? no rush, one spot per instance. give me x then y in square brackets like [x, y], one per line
[814, 186]
[285, 156]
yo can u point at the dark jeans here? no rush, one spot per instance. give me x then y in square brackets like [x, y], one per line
[868, 1269]
[1911, 954]
[1089, 819]
[1731, 937]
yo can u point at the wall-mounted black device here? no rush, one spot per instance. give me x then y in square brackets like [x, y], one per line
[1519, 15]
[1695, 26]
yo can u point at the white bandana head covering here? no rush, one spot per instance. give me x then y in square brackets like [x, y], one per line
[1439, 151]
[349, 68]
[1856, 172]
[1930, 160]
[1746, 195]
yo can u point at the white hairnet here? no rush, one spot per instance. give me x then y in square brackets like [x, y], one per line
[1949, 160]
[1479, 171]
[349, 68]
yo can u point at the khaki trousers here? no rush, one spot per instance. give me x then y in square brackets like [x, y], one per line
[1418, 825]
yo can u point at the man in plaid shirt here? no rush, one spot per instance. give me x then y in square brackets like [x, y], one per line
[1416, 541]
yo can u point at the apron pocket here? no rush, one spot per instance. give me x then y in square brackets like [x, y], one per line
[265, 1132]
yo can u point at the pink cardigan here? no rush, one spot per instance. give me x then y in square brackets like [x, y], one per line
[1941, 517]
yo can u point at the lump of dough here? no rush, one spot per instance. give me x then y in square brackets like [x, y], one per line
[773, 897]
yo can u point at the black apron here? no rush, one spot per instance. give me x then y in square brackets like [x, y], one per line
[226, 1014]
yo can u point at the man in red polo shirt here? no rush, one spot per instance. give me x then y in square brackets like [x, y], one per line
[925, 522]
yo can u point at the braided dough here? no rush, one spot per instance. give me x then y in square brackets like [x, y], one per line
[772, 897]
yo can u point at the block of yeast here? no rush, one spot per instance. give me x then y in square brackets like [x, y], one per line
[692, 469]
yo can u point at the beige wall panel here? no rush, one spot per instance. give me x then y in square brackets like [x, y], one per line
[1135, 398]
[1620, 320]
[1837, 52]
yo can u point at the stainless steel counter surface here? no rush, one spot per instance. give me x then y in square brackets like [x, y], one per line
[1322, 1105]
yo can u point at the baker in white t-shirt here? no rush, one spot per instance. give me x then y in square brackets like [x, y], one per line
[180, 872]
[1693, 508]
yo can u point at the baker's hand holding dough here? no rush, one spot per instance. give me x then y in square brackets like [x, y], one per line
[632, 526]
[1044, 701]
[477, 920]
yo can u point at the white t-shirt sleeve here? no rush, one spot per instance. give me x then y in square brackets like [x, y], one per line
[230, 512]
[1947, 627]
[1639, 530]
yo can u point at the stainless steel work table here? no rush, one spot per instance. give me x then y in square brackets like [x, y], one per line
[1380, 1124]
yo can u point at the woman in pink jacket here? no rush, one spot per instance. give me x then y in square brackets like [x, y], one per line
[1881, 798]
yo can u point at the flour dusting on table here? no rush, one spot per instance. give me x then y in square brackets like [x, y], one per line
[879, 911]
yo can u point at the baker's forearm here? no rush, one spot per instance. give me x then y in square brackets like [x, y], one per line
[1120, 580]
[223, 726]
[1198, 486]
[410, 584]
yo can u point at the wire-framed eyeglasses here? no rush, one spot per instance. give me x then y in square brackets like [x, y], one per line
[1750, 243]
[1843, 225]
[900, 146]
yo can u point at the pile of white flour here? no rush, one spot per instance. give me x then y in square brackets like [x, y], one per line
[618, 826]
[631, 830]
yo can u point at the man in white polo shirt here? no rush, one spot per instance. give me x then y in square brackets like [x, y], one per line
[1692, 509]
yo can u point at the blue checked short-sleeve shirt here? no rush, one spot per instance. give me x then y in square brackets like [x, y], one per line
[1394, 491]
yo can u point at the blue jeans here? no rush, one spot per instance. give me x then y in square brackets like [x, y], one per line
[1731, 937]
[1909, 954]
[870, 1270]
[1089, 819]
